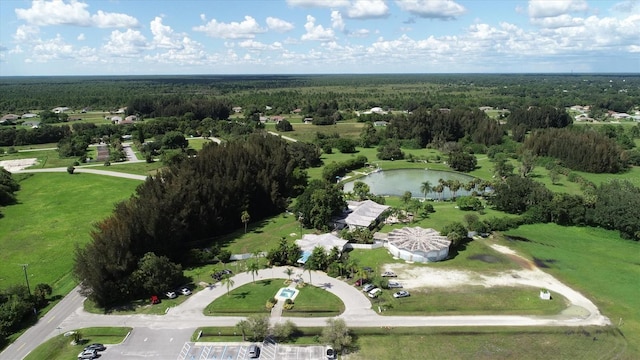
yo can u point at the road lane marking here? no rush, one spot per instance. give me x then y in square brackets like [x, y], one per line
[50, 320]
[21, 346]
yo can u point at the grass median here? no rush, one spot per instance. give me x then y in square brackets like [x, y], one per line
[60, 346]
[251, 299]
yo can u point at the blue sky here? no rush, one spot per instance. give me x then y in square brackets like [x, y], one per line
[129, 37]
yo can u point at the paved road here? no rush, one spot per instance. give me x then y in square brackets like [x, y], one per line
[282, 136]
[188, 316]
[85, 170]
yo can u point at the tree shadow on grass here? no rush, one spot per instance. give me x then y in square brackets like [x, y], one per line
[241, 295]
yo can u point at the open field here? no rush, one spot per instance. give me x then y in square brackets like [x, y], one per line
[60, 346]
[46, 158]
[593, 261]
[48, 221]
[476, 300]
[488, 343]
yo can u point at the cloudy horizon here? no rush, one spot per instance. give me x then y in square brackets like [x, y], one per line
[139, 37]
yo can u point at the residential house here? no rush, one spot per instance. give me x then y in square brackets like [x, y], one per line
[307, 120]
[326, 241]
[364, 214]
[277, 119]
[380, 123]
[59, 109]
[237, 109]
[10, 118]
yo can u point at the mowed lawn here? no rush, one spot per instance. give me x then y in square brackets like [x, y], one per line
[596, 262]
[252, 298]
[55, 211]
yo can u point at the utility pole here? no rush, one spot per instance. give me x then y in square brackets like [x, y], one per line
[26, 278]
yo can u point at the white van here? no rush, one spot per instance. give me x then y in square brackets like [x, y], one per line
[374, 293]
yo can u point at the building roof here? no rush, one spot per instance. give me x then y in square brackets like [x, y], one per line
[418, 240]
[364, 213]
[327, 241]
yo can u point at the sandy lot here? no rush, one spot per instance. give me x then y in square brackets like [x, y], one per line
[413, 277]
[18, 164]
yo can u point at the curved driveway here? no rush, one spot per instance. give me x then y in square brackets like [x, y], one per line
[69, 314]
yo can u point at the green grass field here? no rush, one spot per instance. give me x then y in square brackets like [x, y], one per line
[55, 212]
[593, 261]
[476, 300]
[60, 348]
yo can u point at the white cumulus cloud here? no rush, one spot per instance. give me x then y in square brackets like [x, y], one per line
[336, 21]
[163, 35]
[59, 12]
[368, 9]
[279, 25]
[436, 9]
[552, 8]
[319, 3]
[246, 29]
[127, 43]
[317, 32]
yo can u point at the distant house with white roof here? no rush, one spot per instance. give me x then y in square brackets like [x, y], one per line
[59, 109]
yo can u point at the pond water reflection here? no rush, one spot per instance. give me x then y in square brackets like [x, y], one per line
[396, 182]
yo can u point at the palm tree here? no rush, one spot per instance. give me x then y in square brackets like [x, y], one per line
[245, 217]
[228, 282]
[439, 189]
[454, 186]
[469, 186]
[289, 271]
[425, 188]
[253, 268]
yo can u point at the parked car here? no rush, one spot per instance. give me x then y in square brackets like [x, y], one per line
[368, 287]
[367, 269]
[254, 351]
[185, 291]
[171, 294]
[155, 299]
[374, 293]
[96, 347]
[401, 294]
[88, 354]
[394, 285]
[389, 274]
[331, 353]
[361, 281]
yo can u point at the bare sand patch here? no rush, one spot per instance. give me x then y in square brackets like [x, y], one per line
[17, 164]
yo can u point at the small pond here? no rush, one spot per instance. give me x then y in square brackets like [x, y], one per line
[396, 182]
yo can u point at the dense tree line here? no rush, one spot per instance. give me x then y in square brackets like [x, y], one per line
[588, 151]
[352, 92]
[614, 205]
[438, 126]
[8, 187]
[335, 170]
[197, 108]
[186, 206]
[539, 118]
[11, 136]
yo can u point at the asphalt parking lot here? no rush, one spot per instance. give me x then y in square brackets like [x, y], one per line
[238, 351]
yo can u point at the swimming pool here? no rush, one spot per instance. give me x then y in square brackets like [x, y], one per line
[286, 293]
